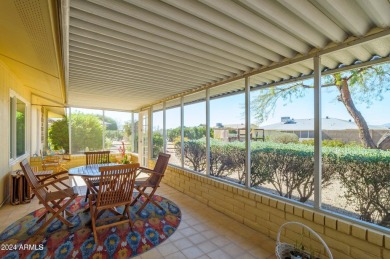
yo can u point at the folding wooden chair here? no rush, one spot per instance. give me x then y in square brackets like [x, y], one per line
[153, 181]
[95, 157]
[115, 189]
[50, 199]
[53, 163]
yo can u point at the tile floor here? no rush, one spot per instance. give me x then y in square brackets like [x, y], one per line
[203, 232]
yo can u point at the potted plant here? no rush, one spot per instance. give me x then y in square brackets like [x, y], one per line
[124, 157]
[125, 160]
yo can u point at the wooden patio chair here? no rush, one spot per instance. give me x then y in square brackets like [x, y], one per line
[50, 199]
[52, 163]
[40, 175]
[153, 181]
[95, 157]
[115, 189]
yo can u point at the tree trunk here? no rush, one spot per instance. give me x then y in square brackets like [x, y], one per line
[364, 134]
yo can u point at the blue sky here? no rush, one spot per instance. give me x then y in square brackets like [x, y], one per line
[229, 110]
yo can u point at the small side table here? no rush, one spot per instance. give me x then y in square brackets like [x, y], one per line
[19, 190]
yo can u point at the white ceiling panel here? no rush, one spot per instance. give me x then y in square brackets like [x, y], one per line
[132, 54]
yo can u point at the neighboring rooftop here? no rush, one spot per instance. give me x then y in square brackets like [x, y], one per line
[328, 123]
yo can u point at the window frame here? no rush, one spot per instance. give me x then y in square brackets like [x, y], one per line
[12, 152]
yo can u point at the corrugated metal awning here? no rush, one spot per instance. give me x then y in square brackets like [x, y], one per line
[129, 54]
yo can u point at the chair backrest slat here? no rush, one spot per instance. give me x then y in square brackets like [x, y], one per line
[32, 180]
[116, 184]
[159, 168]
[97, 157]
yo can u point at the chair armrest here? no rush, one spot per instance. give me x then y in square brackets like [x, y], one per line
[144, 170]
[54, 175]
[53, 183]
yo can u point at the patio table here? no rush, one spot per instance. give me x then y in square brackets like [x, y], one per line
[87, 171]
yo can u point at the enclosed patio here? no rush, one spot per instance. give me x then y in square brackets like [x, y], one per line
[270, 112]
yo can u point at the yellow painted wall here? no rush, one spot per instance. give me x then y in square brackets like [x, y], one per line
[8, 81]
[266, 215]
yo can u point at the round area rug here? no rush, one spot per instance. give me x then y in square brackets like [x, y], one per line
[150, 229]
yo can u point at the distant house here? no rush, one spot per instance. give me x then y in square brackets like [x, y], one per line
[332, 128]
[233, 132]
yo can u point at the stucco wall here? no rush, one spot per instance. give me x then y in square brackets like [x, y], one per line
[8, 81]
[266, 215]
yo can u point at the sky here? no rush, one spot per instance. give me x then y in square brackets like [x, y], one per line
[230, 110]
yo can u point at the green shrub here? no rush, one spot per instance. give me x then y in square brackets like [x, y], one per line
[195, 154]
[59, 136]
[283, 137]
[332, 143]
[158, 143]
[289, 168]
[227, 158]
[365, 175]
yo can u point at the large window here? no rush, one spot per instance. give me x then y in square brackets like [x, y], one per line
[195, 132]
[173, 120]
[17, 127]
[355, 128]
[158, 126]
[87, 130]
[227, 119]
[355, 167]
[117, 132]
[283, 118]
[134, 132]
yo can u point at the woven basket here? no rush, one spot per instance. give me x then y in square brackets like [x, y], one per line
[282, 250]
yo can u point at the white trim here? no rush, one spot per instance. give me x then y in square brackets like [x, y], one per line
[317, 133]
[247, 132]
[182, 130]
[208, 143]
[13, 158]
[164, 127]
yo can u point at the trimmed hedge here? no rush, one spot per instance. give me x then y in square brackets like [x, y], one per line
[364, 173]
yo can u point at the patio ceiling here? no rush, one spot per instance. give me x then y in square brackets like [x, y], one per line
[129, 54]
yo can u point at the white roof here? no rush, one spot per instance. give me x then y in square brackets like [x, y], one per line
[130, 54]
[308, 124]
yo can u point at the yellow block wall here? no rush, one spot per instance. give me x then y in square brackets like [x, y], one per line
[79, 160]
[266, 215]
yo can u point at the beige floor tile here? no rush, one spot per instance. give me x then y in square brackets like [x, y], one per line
[260, 252]
[152, 254]
[177, 255]
[167, 249]
[183, 243]
[192, 252]
[207, 247]
[188, 231]
[203, 232]
[233, 250]
[201, 227]
[246, 256]
[220, 241]
[210, 233]
[219, 254]
[176, 236]
[197, 238]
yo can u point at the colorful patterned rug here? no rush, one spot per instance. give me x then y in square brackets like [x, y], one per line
[151, 228]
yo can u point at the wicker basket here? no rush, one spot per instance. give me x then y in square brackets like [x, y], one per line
[282, 250]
